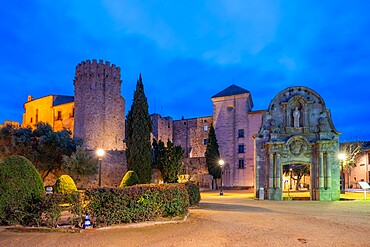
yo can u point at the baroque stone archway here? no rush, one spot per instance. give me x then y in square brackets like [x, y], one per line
[297, 128]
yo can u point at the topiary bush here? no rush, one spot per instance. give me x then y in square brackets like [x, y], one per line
[65, 185]
[21, 191]
[194, 193]
[129, 179]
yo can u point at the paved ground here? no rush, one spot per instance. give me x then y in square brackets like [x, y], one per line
[231, 220]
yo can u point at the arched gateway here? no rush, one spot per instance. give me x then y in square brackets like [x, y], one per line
[297, 129]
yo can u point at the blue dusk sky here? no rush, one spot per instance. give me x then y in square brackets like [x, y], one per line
[188, 51]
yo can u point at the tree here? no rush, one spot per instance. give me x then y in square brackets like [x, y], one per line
[80, 163]
[138, 131]
[50, 148]
[213, 154]
[42, 146]
[158, 153]
[296, 171]
[168, 159]
[350, 150]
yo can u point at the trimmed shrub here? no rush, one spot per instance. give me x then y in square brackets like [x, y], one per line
[129, 179]
[21, 191]
[193, 191]
[65, 185]
[136, 203]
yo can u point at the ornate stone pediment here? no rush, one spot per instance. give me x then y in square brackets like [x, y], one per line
[297, 145]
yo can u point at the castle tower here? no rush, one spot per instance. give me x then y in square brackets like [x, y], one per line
[99, 106]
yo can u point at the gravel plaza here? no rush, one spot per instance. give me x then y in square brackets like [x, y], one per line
[234, 219]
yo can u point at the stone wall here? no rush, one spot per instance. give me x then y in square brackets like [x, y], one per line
[191, 134]
[113, 169]
[162, 128]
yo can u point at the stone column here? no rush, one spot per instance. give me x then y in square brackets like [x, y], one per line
[271, 171]
[321, 170]
[278, 171]
[328, 171]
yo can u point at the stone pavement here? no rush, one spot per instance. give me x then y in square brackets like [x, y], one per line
[230, 220]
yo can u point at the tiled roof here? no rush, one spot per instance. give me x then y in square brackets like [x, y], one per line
[231, 90]
[62, 99]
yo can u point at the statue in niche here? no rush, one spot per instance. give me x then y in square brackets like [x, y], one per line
[296, 116]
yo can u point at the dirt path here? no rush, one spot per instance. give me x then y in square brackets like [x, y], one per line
[231, 220]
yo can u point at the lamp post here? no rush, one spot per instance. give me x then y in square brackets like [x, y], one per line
[221, 162]
[342, 157]
[290, 182]
[100, 152]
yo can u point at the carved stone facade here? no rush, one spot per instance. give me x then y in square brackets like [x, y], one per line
[297, 129]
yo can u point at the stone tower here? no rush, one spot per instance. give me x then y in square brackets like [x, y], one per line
[235, 123]
[99, 106]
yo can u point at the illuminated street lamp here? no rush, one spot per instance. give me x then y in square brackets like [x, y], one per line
[100, 152]
[342, 157]
[221, 162]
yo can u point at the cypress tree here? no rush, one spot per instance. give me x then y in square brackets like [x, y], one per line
[213, 154]
[168, 160]
[138, 131]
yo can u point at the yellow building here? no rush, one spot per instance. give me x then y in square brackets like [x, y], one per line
[56, 110]
[11, 123]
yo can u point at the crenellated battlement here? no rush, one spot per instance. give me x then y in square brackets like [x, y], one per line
[91, 69]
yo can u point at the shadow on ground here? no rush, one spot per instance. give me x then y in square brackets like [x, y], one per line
[232, 207]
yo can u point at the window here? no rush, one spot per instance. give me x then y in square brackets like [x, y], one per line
[205, 128]
[241, 148]
[37, 115]
[205, 141]
[241, 164]
[31, 120]
[240, 133]
[59, 116]
[230, 108]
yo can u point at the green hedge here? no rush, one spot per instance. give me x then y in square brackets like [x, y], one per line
[136, 203]
[194, 193]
